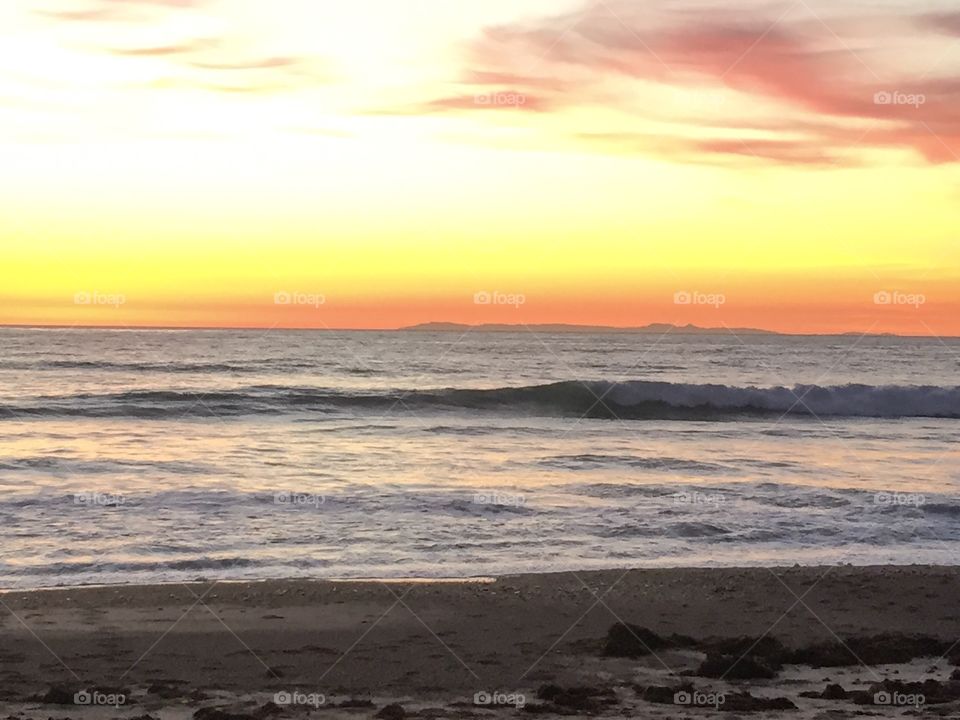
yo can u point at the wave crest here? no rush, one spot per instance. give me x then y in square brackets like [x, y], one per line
[634, 400]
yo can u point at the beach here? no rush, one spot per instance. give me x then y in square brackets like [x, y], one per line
[189, 522]
[541, 643]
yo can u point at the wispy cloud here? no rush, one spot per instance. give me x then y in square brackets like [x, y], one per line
[108, 10]
[225, 63]
[265, 63]
[181, 48]
[805, 151]
[229, 73]
[837, 70]
[88, 15]
[251, 75]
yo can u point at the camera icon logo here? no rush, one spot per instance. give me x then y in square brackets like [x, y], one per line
[482, 698]
[482, 298]
[682, 298]
[282, 298]
[82, 698]
[883, 98]
[682, 698]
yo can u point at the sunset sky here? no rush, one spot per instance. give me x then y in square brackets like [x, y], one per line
[201, 162]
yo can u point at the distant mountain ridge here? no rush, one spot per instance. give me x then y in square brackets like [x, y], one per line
[652, 328]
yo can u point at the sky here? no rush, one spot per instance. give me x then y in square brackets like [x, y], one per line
[793, 166]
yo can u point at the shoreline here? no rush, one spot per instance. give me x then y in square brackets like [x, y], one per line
[484, 579]
[469, 579]
[175, 649]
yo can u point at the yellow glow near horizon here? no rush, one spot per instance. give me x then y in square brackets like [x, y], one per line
[199, 157]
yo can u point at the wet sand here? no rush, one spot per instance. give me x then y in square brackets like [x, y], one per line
[434, 648]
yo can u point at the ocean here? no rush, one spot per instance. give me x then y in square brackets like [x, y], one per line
[131, 456]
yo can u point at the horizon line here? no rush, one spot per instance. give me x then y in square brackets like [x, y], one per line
[498, 327]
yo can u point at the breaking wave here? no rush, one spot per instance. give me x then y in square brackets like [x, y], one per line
[634, 400]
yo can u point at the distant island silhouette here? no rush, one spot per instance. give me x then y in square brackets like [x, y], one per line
[652, 328]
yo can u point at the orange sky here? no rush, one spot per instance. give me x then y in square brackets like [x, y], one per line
[308, 164]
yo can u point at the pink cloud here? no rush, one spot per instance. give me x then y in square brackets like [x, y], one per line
[790, 57]
[945, 23]
[164, 50]
[250, 64]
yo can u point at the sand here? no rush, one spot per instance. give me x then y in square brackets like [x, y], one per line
[178, 651]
